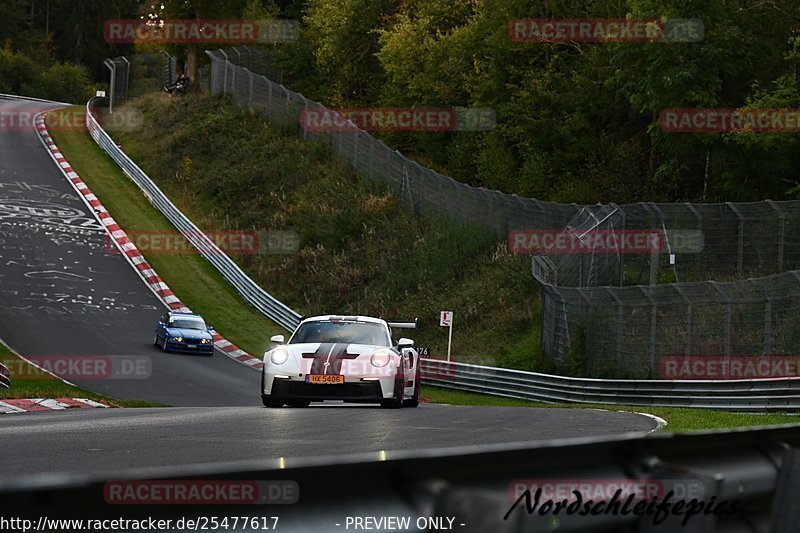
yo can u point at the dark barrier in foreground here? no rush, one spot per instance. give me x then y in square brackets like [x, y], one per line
[713, 481]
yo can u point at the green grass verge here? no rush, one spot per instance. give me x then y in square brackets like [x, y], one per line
[39, 384]
[193, 279]
[678, 419]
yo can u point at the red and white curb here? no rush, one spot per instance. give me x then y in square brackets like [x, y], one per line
[129, 250]
[26, 405]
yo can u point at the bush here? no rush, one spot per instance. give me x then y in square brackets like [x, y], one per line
[19, 74]
[61, 81]
[16, 71]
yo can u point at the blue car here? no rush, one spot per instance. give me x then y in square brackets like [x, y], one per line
[184, 332]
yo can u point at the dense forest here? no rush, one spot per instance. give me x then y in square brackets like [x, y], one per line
[576, 121]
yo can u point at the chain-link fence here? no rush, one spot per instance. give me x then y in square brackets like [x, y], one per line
[610, 312]
[705, 240]
[139, 74]
[631, 331]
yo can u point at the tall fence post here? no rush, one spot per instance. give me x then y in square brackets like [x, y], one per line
[740, 251]
[250, 97]
[620, 317]
[687, 341]
[225, 73]
[781, 232]
[699, 218]
[269, 96]
[727, 341]
[766, 347]
[653, 331]
[113, 84]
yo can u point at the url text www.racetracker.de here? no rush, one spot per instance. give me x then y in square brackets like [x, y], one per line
[198, 523]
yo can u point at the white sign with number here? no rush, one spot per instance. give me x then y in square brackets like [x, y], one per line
[446, 318]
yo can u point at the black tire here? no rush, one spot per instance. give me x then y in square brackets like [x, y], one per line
[298, 403]
[155, 339]
[164, 344]
[414, 400]
[397, 400]
[271, 402]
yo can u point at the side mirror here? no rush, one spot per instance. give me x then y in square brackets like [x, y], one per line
[405, 343]
[209, 328]
[277, 339]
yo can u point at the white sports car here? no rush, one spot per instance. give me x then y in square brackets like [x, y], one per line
[350, 358]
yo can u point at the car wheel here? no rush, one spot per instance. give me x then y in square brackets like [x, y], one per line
[155, 339]
[299, 403]
[164, 344]
[414, 400]
[271, 402]
[397, 400]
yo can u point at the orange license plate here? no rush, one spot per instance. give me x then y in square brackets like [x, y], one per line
[325, 379]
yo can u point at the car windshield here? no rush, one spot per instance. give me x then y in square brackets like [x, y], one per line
[187, 323]
[345, 332]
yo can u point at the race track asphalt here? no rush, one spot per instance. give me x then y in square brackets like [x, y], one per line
[63, 293]
[105, 441]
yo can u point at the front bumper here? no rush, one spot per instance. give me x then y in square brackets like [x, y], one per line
[352, 390]
[185, 347]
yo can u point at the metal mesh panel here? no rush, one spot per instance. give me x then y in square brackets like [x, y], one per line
[610, 314]
[626, 331]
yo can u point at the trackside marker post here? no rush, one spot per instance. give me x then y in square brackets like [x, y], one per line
[446, 320]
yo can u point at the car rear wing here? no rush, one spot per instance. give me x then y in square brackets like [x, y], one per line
[403, 325]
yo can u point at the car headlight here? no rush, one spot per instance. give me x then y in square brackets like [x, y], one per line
[177, 339]
[204, 341]
[381, 358]
[279, 356]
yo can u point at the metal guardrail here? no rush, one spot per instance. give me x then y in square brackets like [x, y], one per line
[753, 471]
[746, 395]
[4, 96]
[249, 289]
[5, 377]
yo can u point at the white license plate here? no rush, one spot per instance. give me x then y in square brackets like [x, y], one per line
[191, 345]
